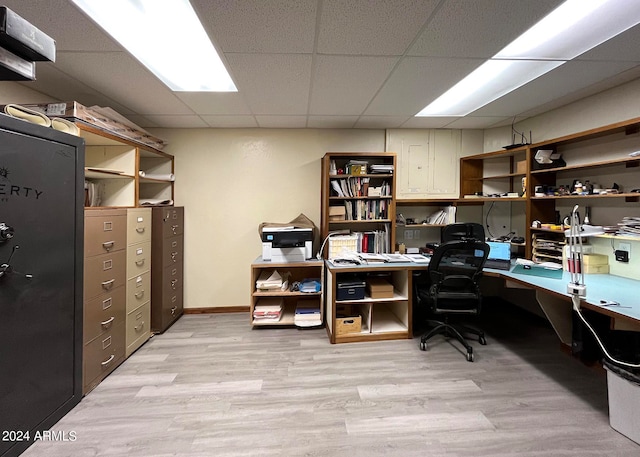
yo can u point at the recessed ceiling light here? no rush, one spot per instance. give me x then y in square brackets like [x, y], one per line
[570, 30]
[167, 37]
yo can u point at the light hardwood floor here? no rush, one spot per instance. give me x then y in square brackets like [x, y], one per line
[212, 386]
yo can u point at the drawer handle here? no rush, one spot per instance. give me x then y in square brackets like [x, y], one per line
[108, 245]
[107, 323]
[173, 283]
[174, 255]
[139, 294]
[108, 361]
[108, 284]
[140, 262]
[137, 328]
[140, 229]
[173, 310]
[174, 228]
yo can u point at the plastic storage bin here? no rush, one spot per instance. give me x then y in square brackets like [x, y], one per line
[623, 389]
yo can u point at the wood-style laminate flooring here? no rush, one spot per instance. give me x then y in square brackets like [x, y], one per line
[213, 386]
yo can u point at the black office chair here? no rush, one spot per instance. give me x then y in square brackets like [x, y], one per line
[462, 231]
[454, 271]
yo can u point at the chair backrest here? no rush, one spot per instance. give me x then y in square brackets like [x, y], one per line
[462, 231]
[454, 271]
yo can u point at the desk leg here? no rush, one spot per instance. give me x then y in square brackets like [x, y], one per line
[559, 312]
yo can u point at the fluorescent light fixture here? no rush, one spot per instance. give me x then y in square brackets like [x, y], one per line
[573, 28]
[490, 81]
[167, 37]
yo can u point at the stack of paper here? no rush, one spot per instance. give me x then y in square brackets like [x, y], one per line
[268, 309]
[307, 313]
[381, 168]
[271, 281]
[629, 226]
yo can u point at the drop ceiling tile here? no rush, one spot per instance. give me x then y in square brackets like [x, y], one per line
[427, 122]
[477, 122]
[247, 26]
[463, 28]
[380, 122]
[275, 84]
[623, 47]
[62, 21]
[230, 121]
[371, 28]
[344, 85]
[416, 82]
[282, 122]
[332, 122]
[124, 79]
[214, 102]
[179, 122]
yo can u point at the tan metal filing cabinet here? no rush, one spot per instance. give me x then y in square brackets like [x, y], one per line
[138, 321]
[166, 267]
[104, 294]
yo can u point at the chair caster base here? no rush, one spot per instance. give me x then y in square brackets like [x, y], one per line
[469, 355]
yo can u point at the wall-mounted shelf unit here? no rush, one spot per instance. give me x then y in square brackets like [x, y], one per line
[122, 173]
[582, 153]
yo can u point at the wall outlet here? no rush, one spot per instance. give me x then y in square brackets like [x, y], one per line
[625, 247]
[408, 234]
[416, 234]
[621, 256]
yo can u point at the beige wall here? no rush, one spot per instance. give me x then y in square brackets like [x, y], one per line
[230, 181]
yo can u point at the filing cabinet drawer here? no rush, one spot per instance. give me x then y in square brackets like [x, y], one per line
[103, 273]
[172, 305]
[172, 251]
[138, 290]
[103, 354]
[172, 279]
[138, 259]
[103, 313]
[169, 309]
[138, 327]
[171, 219]
[104, 231]
[138, 225]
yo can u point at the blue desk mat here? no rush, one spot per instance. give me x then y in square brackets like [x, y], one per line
[538, 271]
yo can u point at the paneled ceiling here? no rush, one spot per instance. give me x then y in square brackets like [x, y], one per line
[324, 63]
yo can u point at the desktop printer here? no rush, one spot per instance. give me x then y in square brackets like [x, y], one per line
[287, 244]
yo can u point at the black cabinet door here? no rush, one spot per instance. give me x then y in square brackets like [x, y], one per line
[40, 316]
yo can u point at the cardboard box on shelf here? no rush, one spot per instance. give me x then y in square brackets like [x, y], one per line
[104, 118]
[379, 288]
